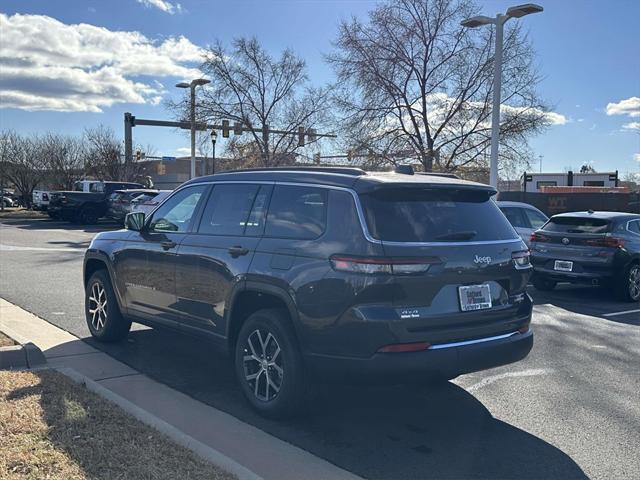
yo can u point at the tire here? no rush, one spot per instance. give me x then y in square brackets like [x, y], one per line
[628, 288]
[52, 215]
[277, 389]
[88, 216]
[543, 284]
[107, 323]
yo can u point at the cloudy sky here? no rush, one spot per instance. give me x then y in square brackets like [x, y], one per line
[69, 64]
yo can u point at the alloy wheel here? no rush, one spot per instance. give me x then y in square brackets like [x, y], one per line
[263, 365]
[98, 306]
[634, 282]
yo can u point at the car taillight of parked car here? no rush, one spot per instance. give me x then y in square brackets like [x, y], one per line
[521, 259]
[538, 237]
[381, 265]
[610, 242]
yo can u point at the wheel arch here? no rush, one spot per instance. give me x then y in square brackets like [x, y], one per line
[96, 260]
[254, 296]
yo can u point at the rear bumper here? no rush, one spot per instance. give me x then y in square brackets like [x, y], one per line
[444, 360]
[574, 277]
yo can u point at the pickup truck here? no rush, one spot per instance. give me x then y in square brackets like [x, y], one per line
[82, 206]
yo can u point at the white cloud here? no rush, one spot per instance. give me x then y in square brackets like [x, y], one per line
[636, 157]
[183, 151]
[163, 5]
[49, 65]
[632, 126]
[629, 106]
[554, 118]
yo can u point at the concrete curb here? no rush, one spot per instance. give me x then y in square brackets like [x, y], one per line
[179, 437]
[23, 356]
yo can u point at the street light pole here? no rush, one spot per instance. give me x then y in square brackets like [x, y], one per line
[499, 21]
[192, 118]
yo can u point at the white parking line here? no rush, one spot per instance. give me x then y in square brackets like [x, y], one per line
[16, 248]
[494, 378]
[615, 314]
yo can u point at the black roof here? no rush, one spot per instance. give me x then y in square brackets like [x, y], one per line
[355, 178]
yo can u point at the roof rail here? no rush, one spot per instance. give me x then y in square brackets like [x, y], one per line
[439, 174]
[356, 172]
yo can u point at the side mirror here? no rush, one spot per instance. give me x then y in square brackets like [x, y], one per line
[134, 221]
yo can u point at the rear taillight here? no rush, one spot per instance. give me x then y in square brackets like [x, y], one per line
[611, 242]
[538, 237]
[521, 259]
[381, 265]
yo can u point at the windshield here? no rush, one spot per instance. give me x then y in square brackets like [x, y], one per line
[577, 225]
[423, 215]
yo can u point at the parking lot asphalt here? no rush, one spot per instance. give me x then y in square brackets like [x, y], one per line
[570, 410]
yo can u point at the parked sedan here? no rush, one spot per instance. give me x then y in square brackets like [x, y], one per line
[598, 248]
[147, 202]
[119, 202]
[525, 218]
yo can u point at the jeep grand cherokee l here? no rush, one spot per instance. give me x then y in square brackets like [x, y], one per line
[326, 272]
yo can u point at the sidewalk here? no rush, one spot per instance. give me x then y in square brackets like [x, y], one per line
[236, 446]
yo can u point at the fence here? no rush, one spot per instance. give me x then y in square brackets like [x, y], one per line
[552, 203]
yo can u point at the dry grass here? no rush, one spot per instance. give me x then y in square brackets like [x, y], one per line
[5, 341]
[51, 427]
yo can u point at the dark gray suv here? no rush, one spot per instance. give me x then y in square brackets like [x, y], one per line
[302, 273]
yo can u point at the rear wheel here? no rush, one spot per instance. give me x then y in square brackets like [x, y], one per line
[268, 364]
[543, 284]
[102, 312]
[628, 288]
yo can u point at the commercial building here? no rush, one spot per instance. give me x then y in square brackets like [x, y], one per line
[536, 182]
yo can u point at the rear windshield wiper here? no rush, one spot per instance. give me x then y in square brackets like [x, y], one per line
[467, 235]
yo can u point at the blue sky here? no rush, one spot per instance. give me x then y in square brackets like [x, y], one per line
[588, 53]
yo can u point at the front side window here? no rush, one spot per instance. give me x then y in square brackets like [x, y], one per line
[96, 187]
[297, 212]
[228, 209]
[536, 219]
[176, 213]
[431, 215]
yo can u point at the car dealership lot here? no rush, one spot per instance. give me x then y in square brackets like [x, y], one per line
[569, 410]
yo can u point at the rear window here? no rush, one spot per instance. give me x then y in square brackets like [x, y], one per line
[577, 225]
[423, 215]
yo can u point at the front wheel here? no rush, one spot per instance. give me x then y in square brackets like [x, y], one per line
[104, 319]
[628, 288]
[88, 216]
[269, 366]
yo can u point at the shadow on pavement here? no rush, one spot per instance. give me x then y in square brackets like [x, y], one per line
[587, 300]
[382, 432]
[49, 224]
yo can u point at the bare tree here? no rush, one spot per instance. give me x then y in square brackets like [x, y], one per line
[250, 86]
[103, 154]
[21, 163]
[414, 84]
[63, 157]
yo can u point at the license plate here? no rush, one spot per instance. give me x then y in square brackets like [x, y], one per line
[563, 266]
[474, 297]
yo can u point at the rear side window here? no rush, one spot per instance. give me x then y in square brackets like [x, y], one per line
[536, 219]
[577, 225]
[634, 226]
[228, 209]
[430, 215]
[297, 212]
[515, 216]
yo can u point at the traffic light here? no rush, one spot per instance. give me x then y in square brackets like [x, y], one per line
[311, 135]
[301, 136]
[138, 155]
[349, 155]
[316, 158]
[225, 128]
[237, 128]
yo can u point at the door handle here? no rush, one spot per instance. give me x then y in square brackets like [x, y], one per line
[237, 251]
[168, 245]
